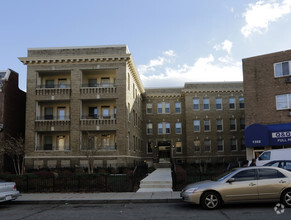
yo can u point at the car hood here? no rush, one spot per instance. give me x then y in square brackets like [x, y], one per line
[203, 184]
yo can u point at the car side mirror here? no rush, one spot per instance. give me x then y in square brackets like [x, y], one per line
[231, 180]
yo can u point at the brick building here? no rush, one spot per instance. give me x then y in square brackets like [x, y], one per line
[88, 105]
[12, 111]
[267, 91]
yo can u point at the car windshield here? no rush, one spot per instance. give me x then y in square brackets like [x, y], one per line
[224, 175]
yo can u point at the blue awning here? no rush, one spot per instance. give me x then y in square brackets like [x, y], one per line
[268, 135]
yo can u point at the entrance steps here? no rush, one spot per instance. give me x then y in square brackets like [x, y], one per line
[158, 181]
[162, 165]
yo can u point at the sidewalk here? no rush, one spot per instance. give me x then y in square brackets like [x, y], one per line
[98, 198]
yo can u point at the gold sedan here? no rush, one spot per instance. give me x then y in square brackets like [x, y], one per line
[250, 184]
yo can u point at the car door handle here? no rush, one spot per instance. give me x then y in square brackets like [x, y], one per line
[252, 184]
[282, 181]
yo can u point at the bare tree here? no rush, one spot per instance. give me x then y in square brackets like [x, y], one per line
[14, 148]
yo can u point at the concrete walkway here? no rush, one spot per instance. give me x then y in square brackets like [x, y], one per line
[158, 181]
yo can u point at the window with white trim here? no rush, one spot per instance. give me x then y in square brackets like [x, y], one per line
[178, 128]
[232, 103]
[233, 145]
[164, 128]
[178, 107]
[282, 69]
[283, 101]
[207, 145]
[220, 145]
[206, 104]
[163, 108]
[196, 125]
[149, 108]
[219, 126]
[195, 104]
[206, 125]
[218, 103]
[178, 147]
[149, 128]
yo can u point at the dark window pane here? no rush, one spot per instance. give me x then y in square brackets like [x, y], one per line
[285, 68]
[268, 174]
[245, 175]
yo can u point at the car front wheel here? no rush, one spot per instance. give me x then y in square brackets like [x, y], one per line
[210, 200]
[286, 198]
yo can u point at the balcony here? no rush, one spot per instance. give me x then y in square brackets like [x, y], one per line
[98, 122]
[99, 90]
[62, 91]
[52, 123]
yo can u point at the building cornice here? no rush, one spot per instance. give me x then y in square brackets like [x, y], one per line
[73, 59]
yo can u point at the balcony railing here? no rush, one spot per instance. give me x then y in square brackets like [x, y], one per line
[100, 117]
[111, 147]
[50, 147]
[109, 88]
[64, 89]
[54, 86]
[53, 118]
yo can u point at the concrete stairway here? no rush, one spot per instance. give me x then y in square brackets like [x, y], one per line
[158, 181]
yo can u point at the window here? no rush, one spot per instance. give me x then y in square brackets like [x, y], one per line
[61, 113]
[219, 124]
[49, 83]
[207, 145]
[242, 123]
[48, 143]
[177, 107]
[232, 124]
[233, 144]
[219, 145]
[206, 125]
[242, 145]
[62, 83]
[283, 101]
[265, 156]
[164, 128]
[149, 128]
[270, 174]
[160, 128]
[92, 82]
[105, 82]
[105, 112]
[241, 102]
[61, 143]
[206, 104]
[179, 147]
[231, 103]
[48, 113]
[93, 112]
[196, 125]
[167, 107]
[115, 112]
[149, 108]
[245, 175]
[196, 145]
[160, 108]
[92, 142]
[149, 147]
[168, 129]
[178, 128]
[218, 103]
[128, 112]
[195, 104]
[282, 69]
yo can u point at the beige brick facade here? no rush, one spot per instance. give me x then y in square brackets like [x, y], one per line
[88, 104]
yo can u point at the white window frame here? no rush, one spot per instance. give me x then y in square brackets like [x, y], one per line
[216, 103]
[177, 106]
[195, 100]
[205, 121]
[279, 66]
[178, 127]
[217, 125]
[285, 104]
[196, 120]
[206, 102]
[222, 144]
[149, 128]
[231, 102]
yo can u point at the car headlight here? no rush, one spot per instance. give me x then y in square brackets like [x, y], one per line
[191, 190]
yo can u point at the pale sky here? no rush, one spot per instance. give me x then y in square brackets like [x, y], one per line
[172, 41]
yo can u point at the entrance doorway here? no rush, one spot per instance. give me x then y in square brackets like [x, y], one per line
[164, 151]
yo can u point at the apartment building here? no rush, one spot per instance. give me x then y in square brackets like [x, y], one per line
[83, 104]
[267, 90]
[201, 122]
[88, 105]
[12, 113]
